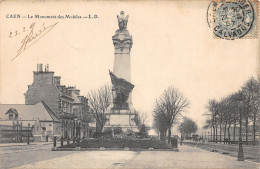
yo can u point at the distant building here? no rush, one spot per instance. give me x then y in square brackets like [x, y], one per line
[17, 120]
[66, 102]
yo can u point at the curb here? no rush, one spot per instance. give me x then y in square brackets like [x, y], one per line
[31, 144]
[111, 149]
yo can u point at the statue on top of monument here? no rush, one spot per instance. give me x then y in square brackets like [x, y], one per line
[122, 21]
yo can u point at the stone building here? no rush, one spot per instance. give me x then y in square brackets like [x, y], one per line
[66, 102]
[17, 120]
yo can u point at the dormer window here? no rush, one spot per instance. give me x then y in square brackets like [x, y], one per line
[12, 114]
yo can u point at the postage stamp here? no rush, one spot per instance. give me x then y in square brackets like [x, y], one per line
[234, 19]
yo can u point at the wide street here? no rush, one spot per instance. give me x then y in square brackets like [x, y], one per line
[40, 156]
[22, 154]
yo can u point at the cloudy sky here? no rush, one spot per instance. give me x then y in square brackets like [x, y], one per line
[172, 45]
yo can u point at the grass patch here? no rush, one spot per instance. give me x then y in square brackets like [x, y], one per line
[120, 143]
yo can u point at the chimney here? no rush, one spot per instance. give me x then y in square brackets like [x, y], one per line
[40, 67]
[42, 78]
[70, 92]
[77, 91]
[47, 67]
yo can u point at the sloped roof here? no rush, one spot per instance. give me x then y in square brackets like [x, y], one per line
[50, 111]
[29, 112]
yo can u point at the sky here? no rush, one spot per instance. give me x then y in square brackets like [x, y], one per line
[172, 46]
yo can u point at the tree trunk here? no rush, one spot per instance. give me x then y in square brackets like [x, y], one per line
[225, 128]
[162, 135]
[247, 130]
[220, 132]
[234, 134]
[98, 126]
[229, 133]
[216, 133]
[169, 135]
[254, 128]
[213, 133]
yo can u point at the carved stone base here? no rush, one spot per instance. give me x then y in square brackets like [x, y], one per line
[121, 118]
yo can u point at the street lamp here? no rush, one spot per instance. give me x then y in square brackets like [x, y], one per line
[240, 157]
[28, 141]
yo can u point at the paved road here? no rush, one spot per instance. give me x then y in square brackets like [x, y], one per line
[188, 157]
[18, 155]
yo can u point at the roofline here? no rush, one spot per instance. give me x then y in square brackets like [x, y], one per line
[51, 111]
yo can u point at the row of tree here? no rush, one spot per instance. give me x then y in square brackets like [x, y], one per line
[240, 108]
[168, 107]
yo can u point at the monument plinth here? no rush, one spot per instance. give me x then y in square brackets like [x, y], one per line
[121, 113]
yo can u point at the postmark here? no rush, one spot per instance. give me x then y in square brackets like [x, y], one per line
[233, 19]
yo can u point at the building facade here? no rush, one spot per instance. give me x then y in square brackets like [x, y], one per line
[66, 102]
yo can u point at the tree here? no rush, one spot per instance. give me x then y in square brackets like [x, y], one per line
[159, 122]
[188, 126]
[213, 108]
[168, 107]
[99, 100]
[251, 92]
[140, 118]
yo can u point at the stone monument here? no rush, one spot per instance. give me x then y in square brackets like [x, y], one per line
[121, 113]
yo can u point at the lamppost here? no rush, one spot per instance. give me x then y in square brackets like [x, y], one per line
[28, 141]
[240, 157]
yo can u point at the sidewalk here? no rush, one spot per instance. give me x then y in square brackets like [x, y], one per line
[24, 144]
[188, 157]
[250, 152]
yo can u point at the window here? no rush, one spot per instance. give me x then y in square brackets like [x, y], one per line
[11, 116]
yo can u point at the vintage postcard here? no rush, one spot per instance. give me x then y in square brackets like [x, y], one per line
[129, 84]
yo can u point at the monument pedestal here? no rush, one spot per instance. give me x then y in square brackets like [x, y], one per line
[121, 118]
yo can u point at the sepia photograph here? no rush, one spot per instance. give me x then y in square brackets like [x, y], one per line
[129, 84]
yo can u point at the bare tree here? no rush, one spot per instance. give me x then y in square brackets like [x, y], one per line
[213, 108]
[170, 105]
[144, 117]
[99, 100]
[141, 118]
[159, 122]
[251, 103]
